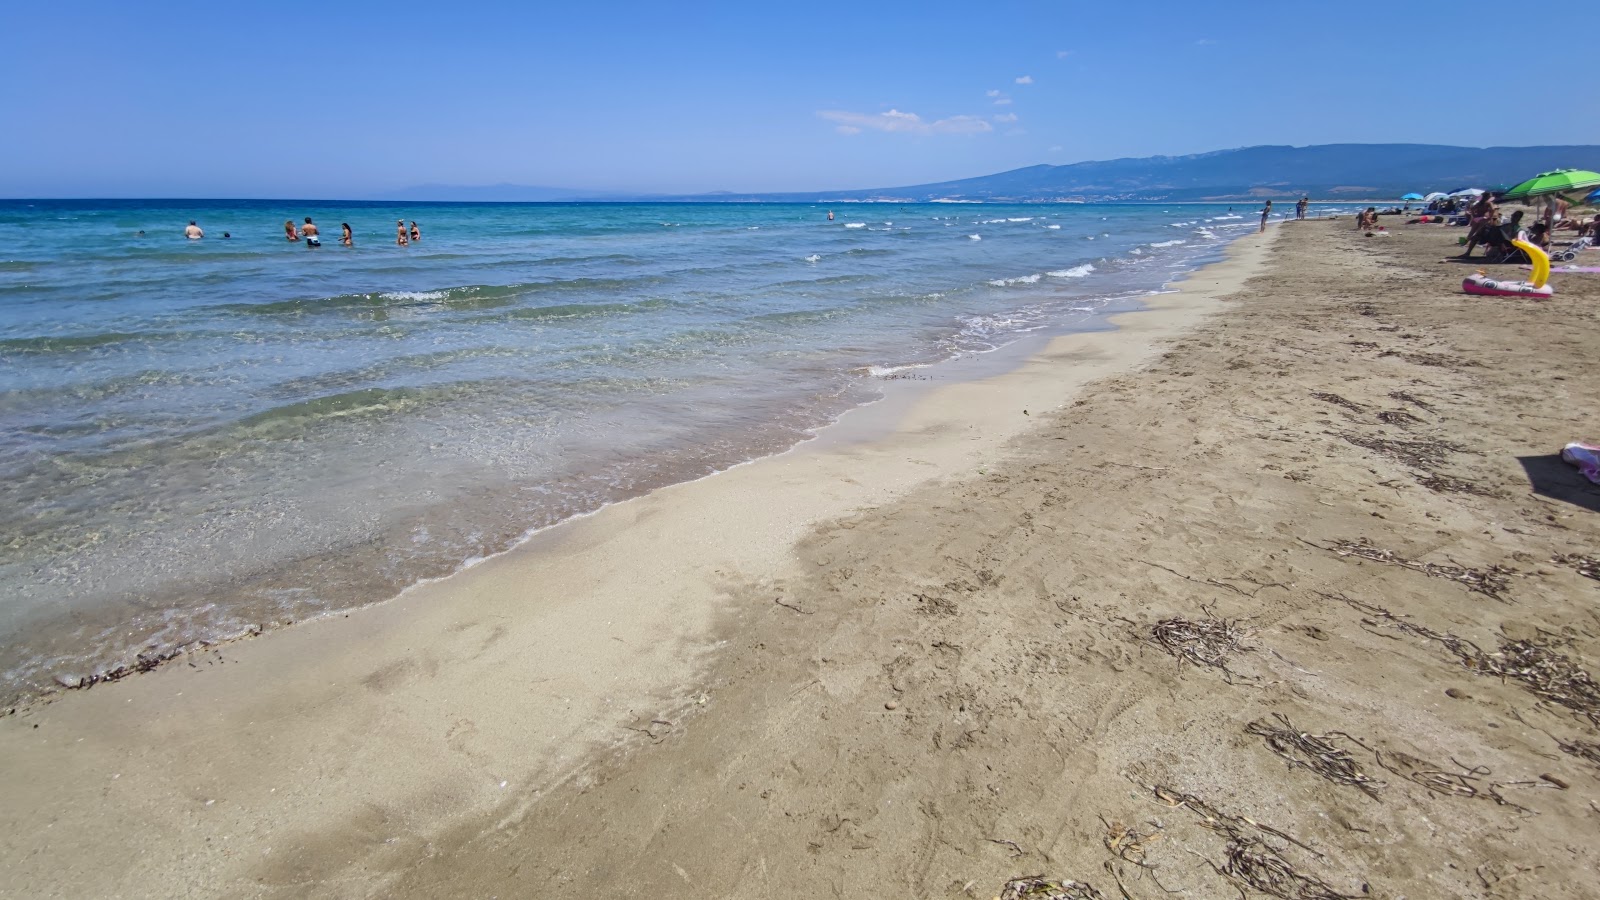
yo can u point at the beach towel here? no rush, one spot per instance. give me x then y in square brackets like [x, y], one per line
[1586, 457]
[1570, 269]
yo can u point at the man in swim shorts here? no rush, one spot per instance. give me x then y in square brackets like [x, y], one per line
[309, 232]
[193, 232]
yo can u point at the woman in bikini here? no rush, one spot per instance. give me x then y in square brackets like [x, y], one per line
[288, 230]
[400, 233]
[346, 238]
[416, 233]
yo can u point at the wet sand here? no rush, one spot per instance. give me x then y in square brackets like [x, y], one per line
[922, 663]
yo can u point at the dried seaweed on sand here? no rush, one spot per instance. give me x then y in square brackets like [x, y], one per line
[1416, 454]
[1250, 861]
[1587, 566]
[1037, 887]
[1316, 753]
[1536, 665]
[1589, 751]
[1446, 484]
[1397, 417]
[1337, 400]
[1204, 642]
[1405, 397]
[1491, 582]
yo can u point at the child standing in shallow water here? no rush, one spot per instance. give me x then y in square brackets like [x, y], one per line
[400, 232]
[288, 230]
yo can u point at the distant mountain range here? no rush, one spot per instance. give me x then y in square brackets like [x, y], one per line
[1326, 171]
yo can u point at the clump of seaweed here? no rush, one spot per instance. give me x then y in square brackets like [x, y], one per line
[1446, 484]
[1249, 860]
[1547, 674]
[1416, 454]
[1397, 417]
[1587, 566]
[1316, 753]
[1037, 887]
[1204, 642]
[1589, 751]
[1491, 582]
[1405, 397]
[1337, 400]
[1129, 843]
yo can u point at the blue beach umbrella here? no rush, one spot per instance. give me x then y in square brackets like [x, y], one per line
[1410, 196]
[1594, 196]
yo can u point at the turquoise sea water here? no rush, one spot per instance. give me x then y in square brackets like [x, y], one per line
[196, 437]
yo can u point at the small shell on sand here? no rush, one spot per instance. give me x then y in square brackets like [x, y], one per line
[891, 705]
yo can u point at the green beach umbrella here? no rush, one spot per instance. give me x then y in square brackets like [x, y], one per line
[1558, 182]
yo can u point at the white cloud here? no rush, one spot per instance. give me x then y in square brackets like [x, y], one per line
[999, 97]
[993, 94]
[1063, 54]
[895, 121]
[1003, 101]
[1026, 79]
[1006, 117]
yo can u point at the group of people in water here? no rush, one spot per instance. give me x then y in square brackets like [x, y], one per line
[312, 236]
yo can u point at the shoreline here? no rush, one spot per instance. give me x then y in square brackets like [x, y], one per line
[873, 416]
[460, 647]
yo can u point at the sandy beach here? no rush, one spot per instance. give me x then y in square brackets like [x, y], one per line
[1278, 586]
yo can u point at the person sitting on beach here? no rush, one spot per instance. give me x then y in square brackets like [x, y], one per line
[416, 233]
[310, 231]
[345, 237]
[400, 232]
[1539, 236]
[1590, 229]
[193, 232]
[288, 230]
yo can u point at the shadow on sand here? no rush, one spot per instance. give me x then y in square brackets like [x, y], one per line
[1551, 476]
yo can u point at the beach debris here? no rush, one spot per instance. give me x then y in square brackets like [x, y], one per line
[1491, 582]
[1037, 887]
[935, 606]
[1204, 642]
[1416, 454]
[1551, 676]
[1406, 397]
[1128, 844]
[891, 705]
[1588, 751]
[1316, 753]
[804, 612]
[1397, 417]
[1446, 484]
[1587, 566]
[1440, 360]
[1250, 860]
[1337, 400]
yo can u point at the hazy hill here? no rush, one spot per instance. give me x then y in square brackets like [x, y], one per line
[1326, 171]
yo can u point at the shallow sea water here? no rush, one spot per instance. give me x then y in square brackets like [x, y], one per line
[200, 437]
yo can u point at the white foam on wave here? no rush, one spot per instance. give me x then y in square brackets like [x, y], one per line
[1020, 279]
[1228, 216]
[1168, 243]
[1074, 272]
[815, 257]
[1028, 219]
[888, 371]
[1053, 227]
[1136, 251]
[855, 224]
[413, 296]
[975, 237]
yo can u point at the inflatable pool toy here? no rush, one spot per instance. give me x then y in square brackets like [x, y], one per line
[1536, 287]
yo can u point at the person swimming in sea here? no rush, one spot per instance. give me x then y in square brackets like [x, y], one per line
[345, 237]
[416, 233]
[288, 230]
[192, 232]
[830, 215]
[310, 231]
[400, 232]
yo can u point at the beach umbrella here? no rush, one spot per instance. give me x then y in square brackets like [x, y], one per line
[1594, 197]
[1560, 181]
[1436, 195]
[1412, 196]
[1467, 192]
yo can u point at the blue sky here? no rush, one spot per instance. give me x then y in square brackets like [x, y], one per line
[348, 99]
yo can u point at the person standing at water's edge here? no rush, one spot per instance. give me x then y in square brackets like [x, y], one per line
[288, 230]
[400, 232]
[1265, 212]
[193, 232]
[416, 233]
[1300, 208]
[345, 237]
[313, 239]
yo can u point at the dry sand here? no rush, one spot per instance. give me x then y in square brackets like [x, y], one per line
[922, 664]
